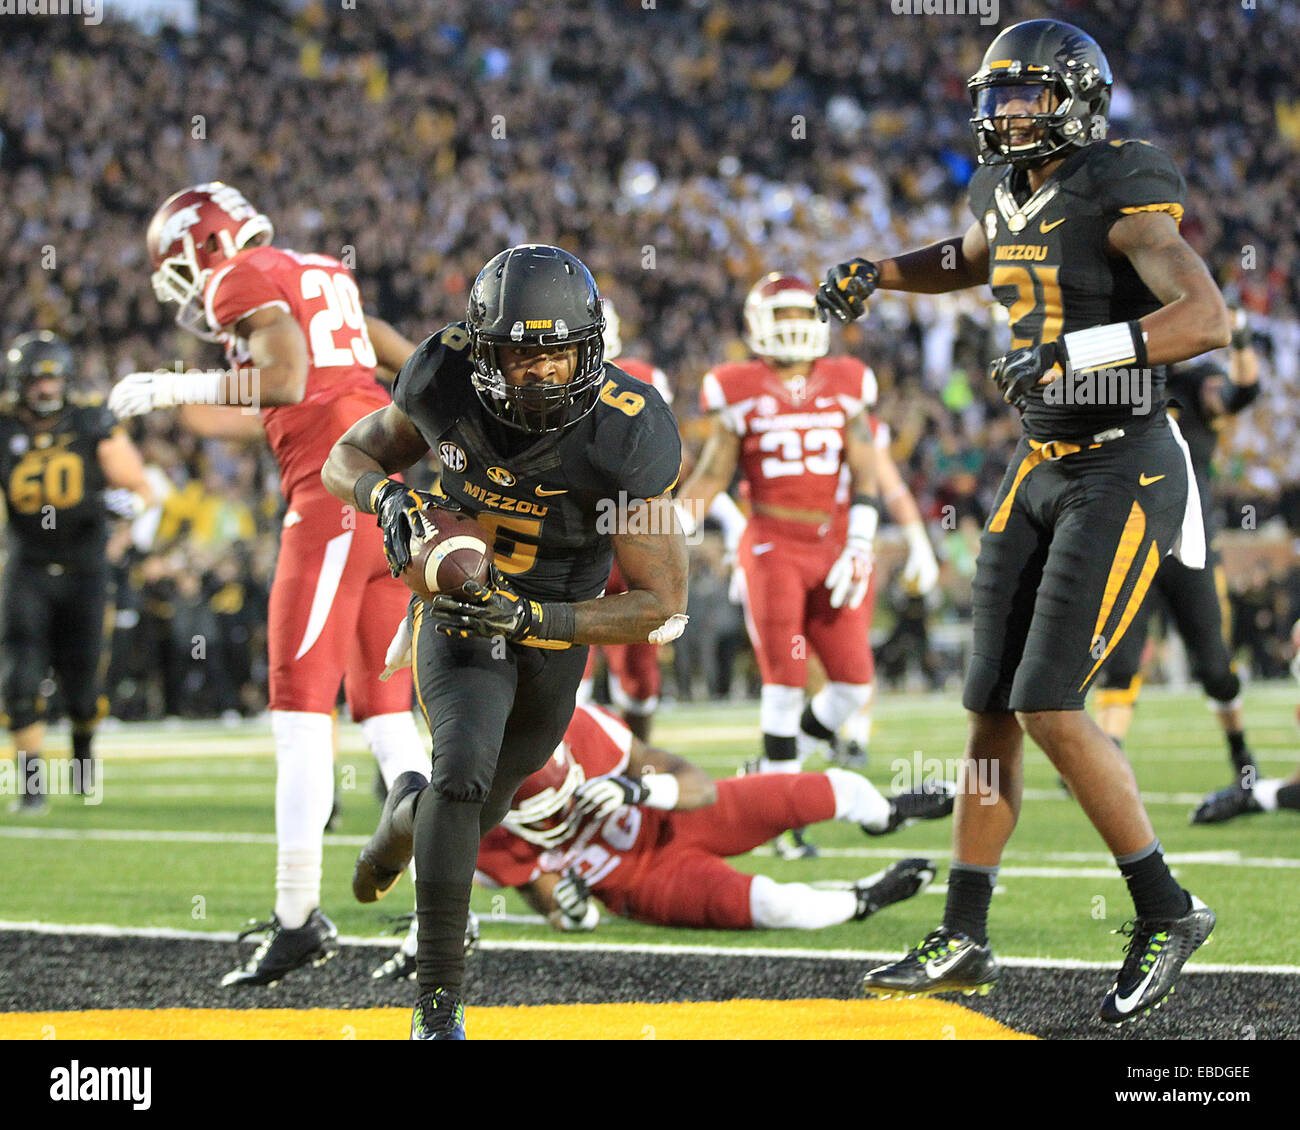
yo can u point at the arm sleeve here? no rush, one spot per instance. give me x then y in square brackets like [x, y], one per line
[1141, 178]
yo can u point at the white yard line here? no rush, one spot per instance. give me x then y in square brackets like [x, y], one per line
[108, 931]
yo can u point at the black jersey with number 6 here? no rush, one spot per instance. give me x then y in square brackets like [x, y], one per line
[53, 484]
[551, 501]
[1050, 267]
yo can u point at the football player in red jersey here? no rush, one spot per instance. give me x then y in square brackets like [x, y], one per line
[796, 422]
[648, 834]
[634, 679]
[303, 352]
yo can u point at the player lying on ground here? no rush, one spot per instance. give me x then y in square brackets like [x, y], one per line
[648, 834]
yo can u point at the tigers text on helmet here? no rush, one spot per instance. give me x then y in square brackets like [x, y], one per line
[534, 296]
[543, 811]
[1024, 69]
[191, 234]
[33, 357]
[787, 340]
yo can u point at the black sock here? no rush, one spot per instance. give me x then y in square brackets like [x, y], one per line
[1155, 892]
[778, 749]
[82, 753]
[809, 724]
[969, 894]
[1288, 796]
[446, 847]
[1237, 751]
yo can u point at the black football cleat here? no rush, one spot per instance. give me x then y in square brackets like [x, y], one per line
[932, 801]
[1156, 952]
[895, 883]
[1226, 804]
[438, 1015]
[29, 804]
[386, 856]
[945, 962]
[282, 951]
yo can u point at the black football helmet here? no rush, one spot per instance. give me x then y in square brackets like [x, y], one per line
[1024, 66]
[534, 295]
[35, 356]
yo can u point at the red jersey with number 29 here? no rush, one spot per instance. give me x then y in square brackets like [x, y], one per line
[322, 297]
[792, 433]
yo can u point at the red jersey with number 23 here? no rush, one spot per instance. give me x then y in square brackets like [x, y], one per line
[792, 433]
[322, 297]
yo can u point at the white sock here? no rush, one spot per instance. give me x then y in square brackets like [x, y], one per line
[1265, 793]
[797, 906]
[857, 799]
[396, 744]
[304, 795]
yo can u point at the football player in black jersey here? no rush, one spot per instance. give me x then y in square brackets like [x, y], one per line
[1078, 237]
[66, 465]
[563, 458]
[1202, 396]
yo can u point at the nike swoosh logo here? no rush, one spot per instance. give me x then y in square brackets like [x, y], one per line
[1125, 1004]
[544, 493]
[939, 967]
[761, 548]
[1045, 227]
[1147, 480]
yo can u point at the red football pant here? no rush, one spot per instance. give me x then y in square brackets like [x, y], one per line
[788, 609]
[688, 882]
[334, 607]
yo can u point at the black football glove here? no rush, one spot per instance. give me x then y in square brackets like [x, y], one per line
[1019, 371]
[484, 612]
[398, 508]
[846, 290]
[603, 796]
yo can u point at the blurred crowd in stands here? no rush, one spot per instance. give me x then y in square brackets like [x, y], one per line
[683, 149]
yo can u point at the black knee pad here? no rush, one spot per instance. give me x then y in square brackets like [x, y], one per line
[1222, 686]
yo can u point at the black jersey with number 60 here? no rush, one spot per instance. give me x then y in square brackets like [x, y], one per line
[551, 501]
[53, 484]
[1050, 267]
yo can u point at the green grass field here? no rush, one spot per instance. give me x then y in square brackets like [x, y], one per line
[184, 837]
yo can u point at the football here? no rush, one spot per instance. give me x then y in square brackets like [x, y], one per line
[454, 552]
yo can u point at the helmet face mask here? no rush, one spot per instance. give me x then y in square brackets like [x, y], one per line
[34, 358]
[536, 297]
[1042, 89]
[543, 811]
[781, 322]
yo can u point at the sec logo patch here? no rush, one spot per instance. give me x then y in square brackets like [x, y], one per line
[452, 456]
[501, 476]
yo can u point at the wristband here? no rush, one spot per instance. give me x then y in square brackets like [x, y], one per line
[365, 488]
[917, 539]
[662, 790]
[1105, 347]
[727, 514]
[863, 520]
[190, 388]
[552, 621]
[686, 518]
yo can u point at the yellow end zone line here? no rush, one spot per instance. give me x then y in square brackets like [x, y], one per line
[719, 1020]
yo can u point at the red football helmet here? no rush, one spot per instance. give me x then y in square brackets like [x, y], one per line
[785, 339]
[193, 232]
[542, 811]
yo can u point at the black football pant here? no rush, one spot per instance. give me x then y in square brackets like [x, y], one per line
[1077, 534]
[52, 618]
[496, 712]
[1197, 604]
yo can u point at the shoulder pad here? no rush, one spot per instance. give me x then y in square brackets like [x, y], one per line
[1135, 176]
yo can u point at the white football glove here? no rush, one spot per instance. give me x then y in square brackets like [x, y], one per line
[921, 573]
[399, 652]
[576, 911]
[603, 796]
[851, 574]
[124, 503]
[135, 394]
